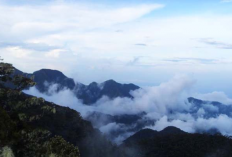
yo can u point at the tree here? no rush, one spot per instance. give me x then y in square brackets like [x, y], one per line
[19, 81]
[18, 112]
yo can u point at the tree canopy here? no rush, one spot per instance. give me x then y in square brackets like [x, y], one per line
[17, 112]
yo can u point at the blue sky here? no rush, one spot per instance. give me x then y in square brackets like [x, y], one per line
[141, 41]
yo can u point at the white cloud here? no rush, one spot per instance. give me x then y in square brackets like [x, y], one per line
[166, 104]
[156, 101]
[222, 123]
[169, 96]
[88, 33]
[54, 53]
[215, 96]
[18, 52]
[210, 108]
[164, 122]
[161, 99]
[48, 19]
[110, 127]
[200, 112]
[64, 98]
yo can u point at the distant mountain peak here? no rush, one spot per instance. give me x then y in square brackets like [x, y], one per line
[93, 84]
[50, 72]
[110, 81]
[110, 88]
[198, 101]
[52, 77]
[171, 130]
[194, 100]
[88, 93]
[149, 134]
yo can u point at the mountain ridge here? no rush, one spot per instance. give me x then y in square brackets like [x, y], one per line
[89, 94]
[147, 133]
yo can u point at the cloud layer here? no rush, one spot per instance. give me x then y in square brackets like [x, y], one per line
[99, 41]
[166, 105]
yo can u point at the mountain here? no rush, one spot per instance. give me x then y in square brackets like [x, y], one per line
[212, 108]
[94, 91]
[30, 126]
[171, 130]
[9, 84]
[89, 94]
[105, 119]
[172, 142]
[129, 123]
[145, 134]
[45, 77]
[200, 102]
[141, 135]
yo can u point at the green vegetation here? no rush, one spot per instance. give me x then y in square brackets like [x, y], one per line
[33, 127]
[6, 152]
[19, 113]
[180, 145]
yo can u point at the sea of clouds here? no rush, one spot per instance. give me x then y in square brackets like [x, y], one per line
[166, 104]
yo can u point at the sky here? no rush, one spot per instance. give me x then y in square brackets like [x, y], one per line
[145, 42]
